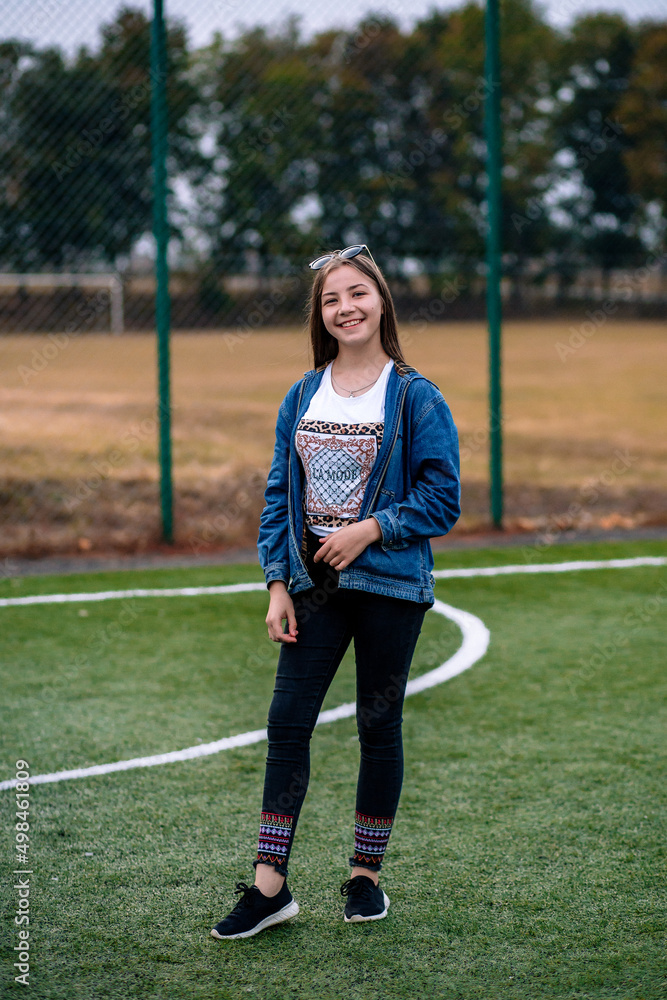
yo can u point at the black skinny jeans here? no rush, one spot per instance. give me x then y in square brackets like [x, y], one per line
[385, 632]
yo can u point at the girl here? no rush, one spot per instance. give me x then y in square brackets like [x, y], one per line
[365, 471]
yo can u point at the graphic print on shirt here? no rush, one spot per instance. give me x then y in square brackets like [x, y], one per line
[337, 459]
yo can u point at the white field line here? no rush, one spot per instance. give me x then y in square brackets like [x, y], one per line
[563, 567]
[236, 588]
[475, 642]
[112, 595]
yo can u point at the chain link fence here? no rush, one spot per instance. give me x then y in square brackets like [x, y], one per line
[282, 145]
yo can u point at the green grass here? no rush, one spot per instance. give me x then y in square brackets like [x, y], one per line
[527, 859]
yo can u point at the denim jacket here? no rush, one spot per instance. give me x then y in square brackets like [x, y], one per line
[413, 491]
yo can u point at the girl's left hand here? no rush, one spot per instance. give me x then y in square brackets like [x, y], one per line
[341, 547]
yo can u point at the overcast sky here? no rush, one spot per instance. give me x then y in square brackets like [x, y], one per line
[70, 23]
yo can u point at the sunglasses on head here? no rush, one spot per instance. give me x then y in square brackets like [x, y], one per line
[345, 254]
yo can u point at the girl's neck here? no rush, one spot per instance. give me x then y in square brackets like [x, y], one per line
[360, 361]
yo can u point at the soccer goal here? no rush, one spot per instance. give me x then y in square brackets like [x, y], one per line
[111, 282]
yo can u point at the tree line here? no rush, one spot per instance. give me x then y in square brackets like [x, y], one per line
[281, 146]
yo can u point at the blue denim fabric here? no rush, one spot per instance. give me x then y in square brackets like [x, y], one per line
[413, 491]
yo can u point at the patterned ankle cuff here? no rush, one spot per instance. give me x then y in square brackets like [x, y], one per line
[274, 838]
[371, 834]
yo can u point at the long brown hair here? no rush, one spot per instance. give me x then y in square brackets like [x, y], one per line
[324, 346]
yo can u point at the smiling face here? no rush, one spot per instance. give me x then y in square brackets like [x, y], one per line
[351, 307]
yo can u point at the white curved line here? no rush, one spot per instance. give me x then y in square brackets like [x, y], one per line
[475, 643]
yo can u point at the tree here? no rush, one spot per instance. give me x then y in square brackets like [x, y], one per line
[528, 86]
[285, 146]
[80, 173]
[592, 139]
[254, 112]
[643, 110]
[382, 139]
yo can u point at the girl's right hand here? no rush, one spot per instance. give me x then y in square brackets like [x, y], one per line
[281, 607]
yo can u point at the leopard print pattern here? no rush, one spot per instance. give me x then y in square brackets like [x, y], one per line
[333, 427]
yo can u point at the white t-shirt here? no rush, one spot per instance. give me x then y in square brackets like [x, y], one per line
[337, 440]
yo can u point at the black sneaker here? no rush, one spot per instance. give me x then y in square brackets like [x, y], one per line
[365, 900]
[255, 911]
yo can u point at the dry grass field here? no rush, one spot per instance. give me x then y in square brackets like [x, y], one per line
[584, 439]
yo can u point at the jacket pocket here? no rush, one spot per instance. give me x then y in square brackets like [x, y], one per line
[402, 565]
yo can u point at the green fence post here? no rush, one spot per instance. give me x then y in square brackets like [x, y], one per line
[161, 233]
[493, 253]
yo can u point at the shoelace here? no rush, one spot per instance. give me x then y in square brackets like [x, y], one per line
[246, 898]
[358, 886]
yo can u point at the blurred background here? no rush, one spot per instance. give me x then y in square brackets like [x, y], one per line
[291, 131]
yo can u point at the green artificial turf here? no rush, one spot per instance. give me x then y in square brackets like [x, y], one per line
[528, 855]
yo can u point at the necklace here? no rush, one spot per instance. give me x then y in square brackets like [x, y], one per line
[352, 391]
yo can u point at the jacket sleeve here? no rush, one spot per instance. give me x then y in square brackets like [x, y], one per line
[432, 505]
[272, 542]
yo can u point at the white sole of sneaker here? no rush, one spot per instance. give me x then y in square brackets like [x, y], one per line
[358, 919]
[286, 913]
